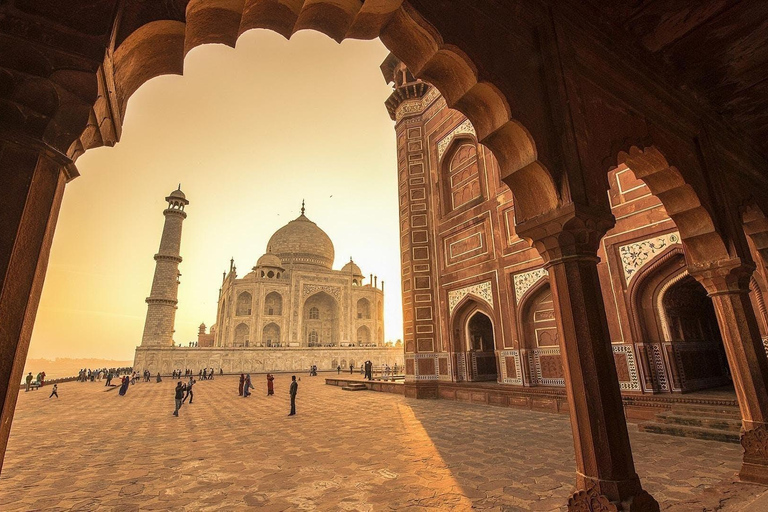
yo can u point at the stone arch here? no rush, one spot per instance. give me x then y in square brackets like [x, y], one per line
[536, 317]
[473, 354]
[363, 336]
[704, 244]
[273, 304]
[364, 309]
[462, 183]
[244, 302]
[270, 335]
[159, 47]
[326, 323]
[241, 335]
[756, 227]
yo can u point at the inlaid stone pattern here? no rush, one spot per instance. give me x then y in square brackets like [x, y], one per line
[311, 289]
[442, 144]
[629, 378]
[427, 366]
[546, 367]
[482, 290]
[510, 360]
[525, 280]
[636, 255]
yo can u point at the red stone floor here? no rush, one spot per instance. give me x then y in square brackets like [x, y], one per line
[364, 451]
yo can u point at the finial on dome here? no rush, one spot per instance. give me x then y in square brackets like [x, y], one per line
[179, 187]
[302, 207]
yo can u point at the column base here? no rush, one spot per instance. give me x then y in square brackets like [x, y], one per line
[755, 465]
[592, 501]
[417, 389]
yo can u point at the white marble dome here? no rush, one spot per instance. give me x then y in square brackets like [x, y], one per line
[301, 242]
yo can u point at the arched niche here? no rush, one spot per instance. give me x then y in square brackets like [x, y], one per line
[244, 302]
[241, 335]
[462, 183]
[363, 309]
[320, 313]
[473, 340]
[273, 304]
[270, 335]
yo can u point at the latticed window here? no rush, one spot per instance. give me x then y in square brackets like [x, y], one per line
[313, 336]
[314, 314]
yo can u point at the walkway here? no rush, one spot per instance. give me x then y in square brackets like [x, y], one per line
[367, 451]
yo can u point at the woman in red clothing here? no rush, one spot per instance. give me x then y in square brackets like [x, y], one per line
[270, 386]
[242, 382]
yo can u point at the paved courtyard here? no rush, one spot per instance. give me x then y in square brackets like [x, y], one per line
[95, 450]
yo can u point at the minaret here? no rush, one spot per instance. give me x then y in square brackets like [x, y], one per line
[161, 303]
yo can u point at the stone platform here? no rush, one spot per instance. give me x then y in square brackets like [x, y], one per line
[261, 359]
[95, 450]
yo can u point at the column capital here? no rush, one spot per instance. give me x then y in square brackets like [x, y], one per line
[569, 232]
[44, 150]
[724, 277]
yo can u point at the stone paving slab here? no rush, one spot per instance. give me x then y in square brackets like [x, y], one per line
[95, 450]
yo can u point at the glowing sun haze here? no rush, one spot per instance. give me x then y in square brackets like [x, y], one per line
[248, 133]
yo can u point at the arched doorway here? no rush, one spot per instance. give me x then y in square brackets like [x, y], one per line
[270, 335]
[474, 343]
[321, 321]
[676, 331]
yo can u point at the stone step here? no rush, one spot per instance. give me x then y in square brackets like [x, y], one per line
[687, 431]
[716, 423]
[355, 387]
[709, 411]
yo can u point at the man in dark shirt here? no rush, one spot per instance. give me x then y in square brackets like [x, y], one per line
[294, 388]
[180, 389]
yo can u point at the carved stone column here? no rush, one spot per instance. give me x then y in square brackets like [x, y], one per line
[605, 472]
[32, 179]
[728, 286]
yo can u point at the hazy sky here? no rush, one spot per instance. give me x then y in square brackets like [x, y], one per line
[249, 133]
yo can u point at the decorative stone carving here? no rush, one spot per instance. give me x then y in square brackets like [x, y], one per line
[636, 255]
[442, 144]
[311, 289]
[590, 500]
[634, 379]
[482, 290]
[755, 444]
[514, 355]
[525, 280]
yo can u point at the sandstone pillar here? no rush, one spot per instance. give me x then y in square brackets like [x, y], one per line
[32, 179]
[605, 473]
[728, 286]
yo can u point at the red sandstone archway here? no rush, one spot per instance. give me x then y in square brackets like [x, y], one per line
[474, 359]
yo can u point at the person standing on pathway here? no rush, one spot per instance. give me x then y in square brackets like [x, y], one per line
[189, 390]
[293, 390]
[270, 385]
[124, 386]
[248, 386]
[55, 391]
[29, 381]
[179, 397]
[242, 383]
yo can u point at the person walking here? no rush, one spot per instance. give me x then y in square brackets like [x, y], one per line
[351, 368]
[179, 397]
[29, 381]
[189, 390]
[338, 370]
[242, 383]
[124, 386]
[159, 379]
[55, 391]
[293, 390]
[270, 385]
[248, 386]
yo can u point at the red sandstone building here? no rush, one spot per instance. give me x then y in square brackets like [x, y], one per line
[477, 303]
[566, 95]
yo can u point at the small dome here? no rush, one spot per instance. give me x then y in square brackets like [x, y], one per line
[301, 242]
[269, 260]
[177, 193]
[352, 268]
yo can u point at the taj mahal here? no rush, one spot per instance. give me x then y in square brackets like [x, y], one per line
[291, 311]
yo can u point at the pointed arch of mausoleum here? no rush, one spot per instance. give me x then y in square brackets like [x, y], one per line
[703, 242]
[159, 47]
[525, 314]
